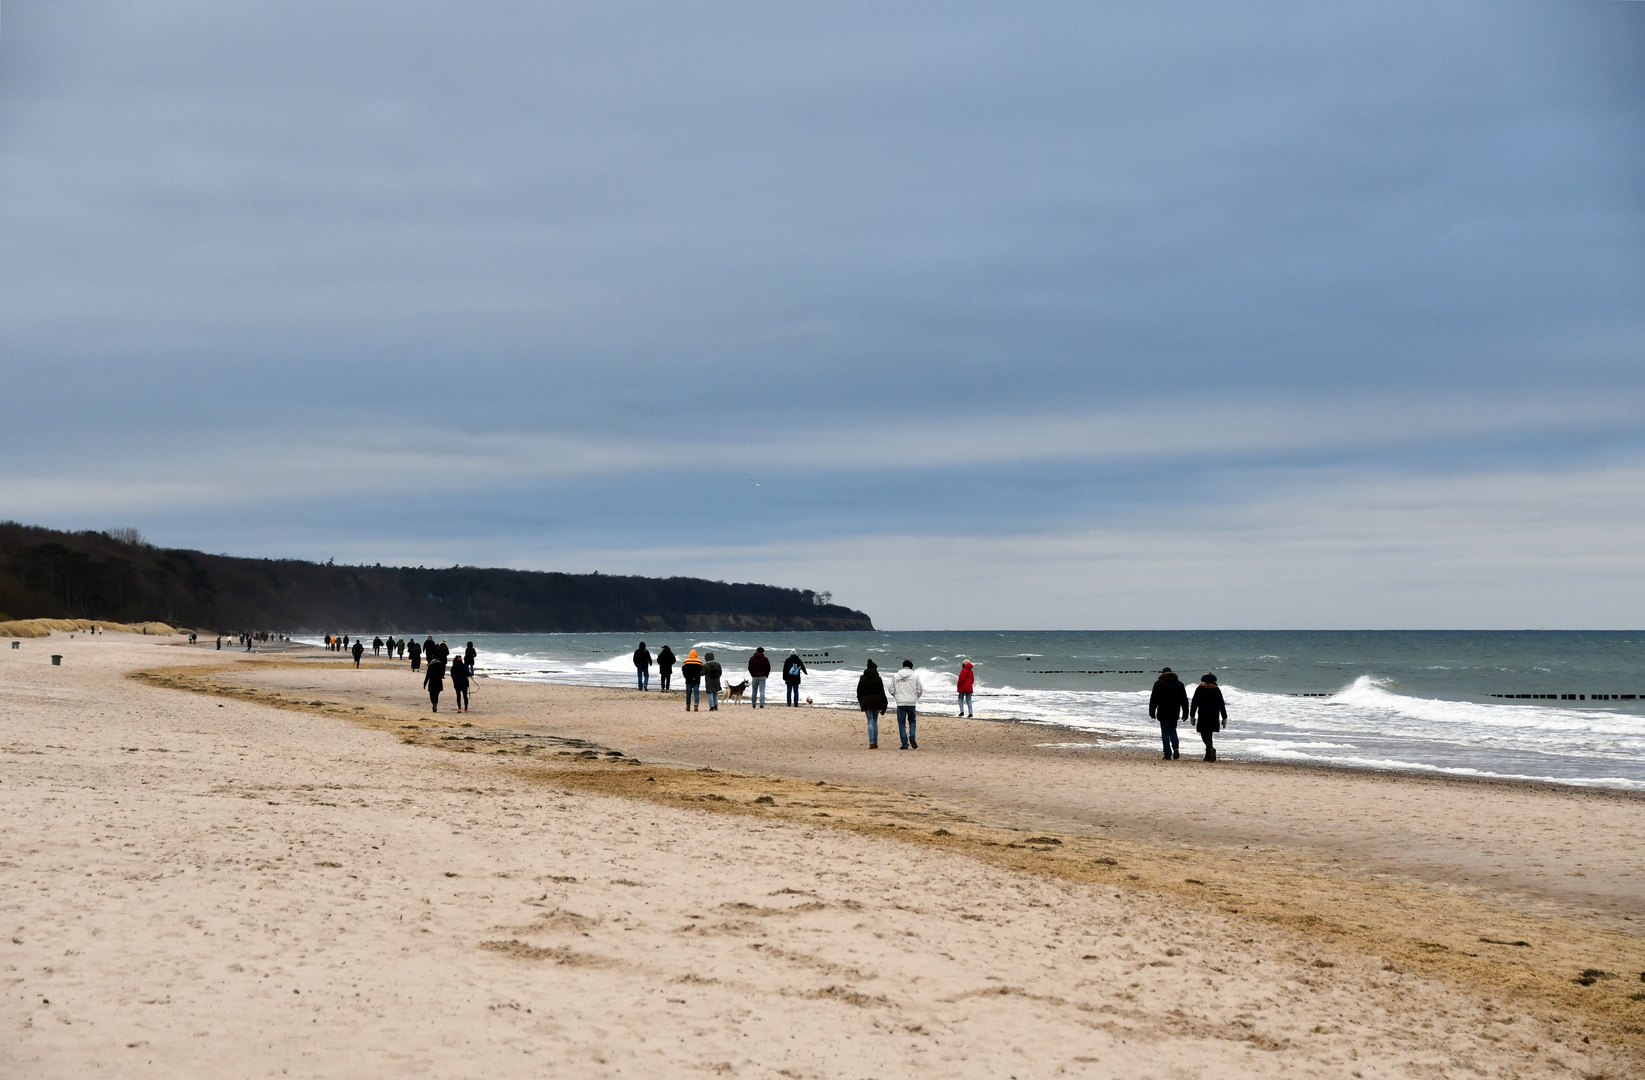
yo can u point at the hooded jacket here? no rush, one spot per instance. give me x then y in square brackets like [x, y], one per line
[1169, 701]
[759, 665]
[871, 690]
[967, 681]
[642, 658]
[711, 675]
[665, 659]
[906, 686]
[793, 668]
[692, 670]
[435, 679]
[459, 673]
[1209, 711]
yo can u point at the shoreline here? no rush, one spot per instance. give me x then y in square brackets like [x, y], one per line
[1415, 771]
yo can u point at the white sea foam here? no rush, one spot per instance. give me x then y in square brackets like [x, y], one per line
[1367, 723]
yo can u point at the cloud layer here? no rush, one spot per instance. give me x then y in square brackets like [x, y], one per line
[849, 294]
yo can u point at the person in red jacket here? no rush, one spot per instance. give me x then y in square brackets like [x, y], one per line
[968, 681]
[759, 669]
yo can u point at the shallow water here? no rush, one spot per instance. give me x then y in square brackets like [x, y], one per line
[1405, 700]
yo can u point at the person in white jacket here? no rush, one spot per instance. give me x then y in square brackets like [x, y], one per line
[906, 689]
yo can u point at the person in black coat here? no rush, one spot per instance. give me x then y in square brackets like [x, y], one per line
[1208, 712]
[871, 700]
[665, 666]
[435, 680]
[793, 668]
[416, 652]
[1167, 704]
[358, 650]
[459, 682]
[642, 665]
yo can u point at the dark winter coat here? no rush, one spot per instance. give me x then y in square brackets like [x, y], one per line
[692, 671]
[871, 690]
[642, 659]
[1208, 710]
[793, 668]
[759, 665]
[435, 680]
[1169, 701]
[459, 674]
[665, 659]
[711, 676]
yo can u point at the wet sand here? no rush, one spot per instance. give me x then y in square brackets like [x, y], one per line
[293, 873]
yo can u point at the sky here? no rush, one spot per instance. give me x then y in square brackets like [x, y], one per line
[1148, 315]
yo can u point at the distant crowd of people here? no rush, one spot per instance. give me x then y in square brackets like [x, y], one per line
[431, 657]
[1168, 702]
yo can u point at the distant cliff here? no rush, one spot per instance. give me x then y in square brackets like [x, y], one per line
[95, 575]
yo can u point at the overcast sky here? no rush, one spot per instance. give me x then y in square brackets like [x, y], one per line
[1086, 315]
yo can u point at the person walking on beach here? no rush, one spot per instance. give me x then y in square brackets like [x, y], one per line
[966, 684]
[468, 657]
[359, 651]
[759, 669]
[665, 668]
[435, 681]
[692, 672]
[376, 646]
[906, 688]
[642, 666]
[459, 682]
[428, 648]
[793, 668]
[1167, 704]
[711, 681]
[871, 700]
[416, 651]
[1209, 712]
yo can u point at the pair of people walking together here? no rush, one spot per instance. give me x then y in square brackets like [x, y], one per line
[1169, 702]
[906, 690]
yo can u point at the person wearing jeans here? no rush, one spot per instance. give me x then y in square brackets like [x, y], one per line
[906, 688]
[642, 665]
[793, 668]
[711, 678]
[759, 668]
[692, 672]
[1168, 703]
[871, 700]
[967, 682]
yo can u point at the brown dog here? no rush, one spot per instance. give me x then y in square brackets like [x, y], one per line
[734, 691]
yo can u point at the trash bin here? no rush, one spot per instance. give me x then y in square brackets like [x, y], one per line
[56, 659]
[17, 644]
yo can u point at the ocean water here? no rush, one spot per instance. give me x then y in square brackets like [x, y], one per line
[1422, 701]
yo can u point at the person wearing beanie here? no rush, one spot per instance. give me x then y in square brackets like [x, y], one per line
[967, 682]
[1209, 712]
[871, 700]
[1167, 704]
[665, 666]
[692, 672]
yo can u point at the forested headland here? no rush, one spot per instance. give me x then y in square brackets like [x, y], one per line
[118, 577]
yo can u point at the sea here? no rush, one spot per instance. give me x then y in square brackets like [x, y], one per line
[1564, 707]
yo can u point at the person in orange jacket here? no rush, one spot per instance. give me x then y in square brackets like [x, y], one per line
[692, 672]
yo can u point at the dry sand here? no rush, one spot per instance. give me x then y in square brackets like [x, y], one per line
[291, 874]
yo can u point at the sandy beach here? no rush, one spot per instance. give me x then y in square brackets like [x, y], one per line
[283, 866]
